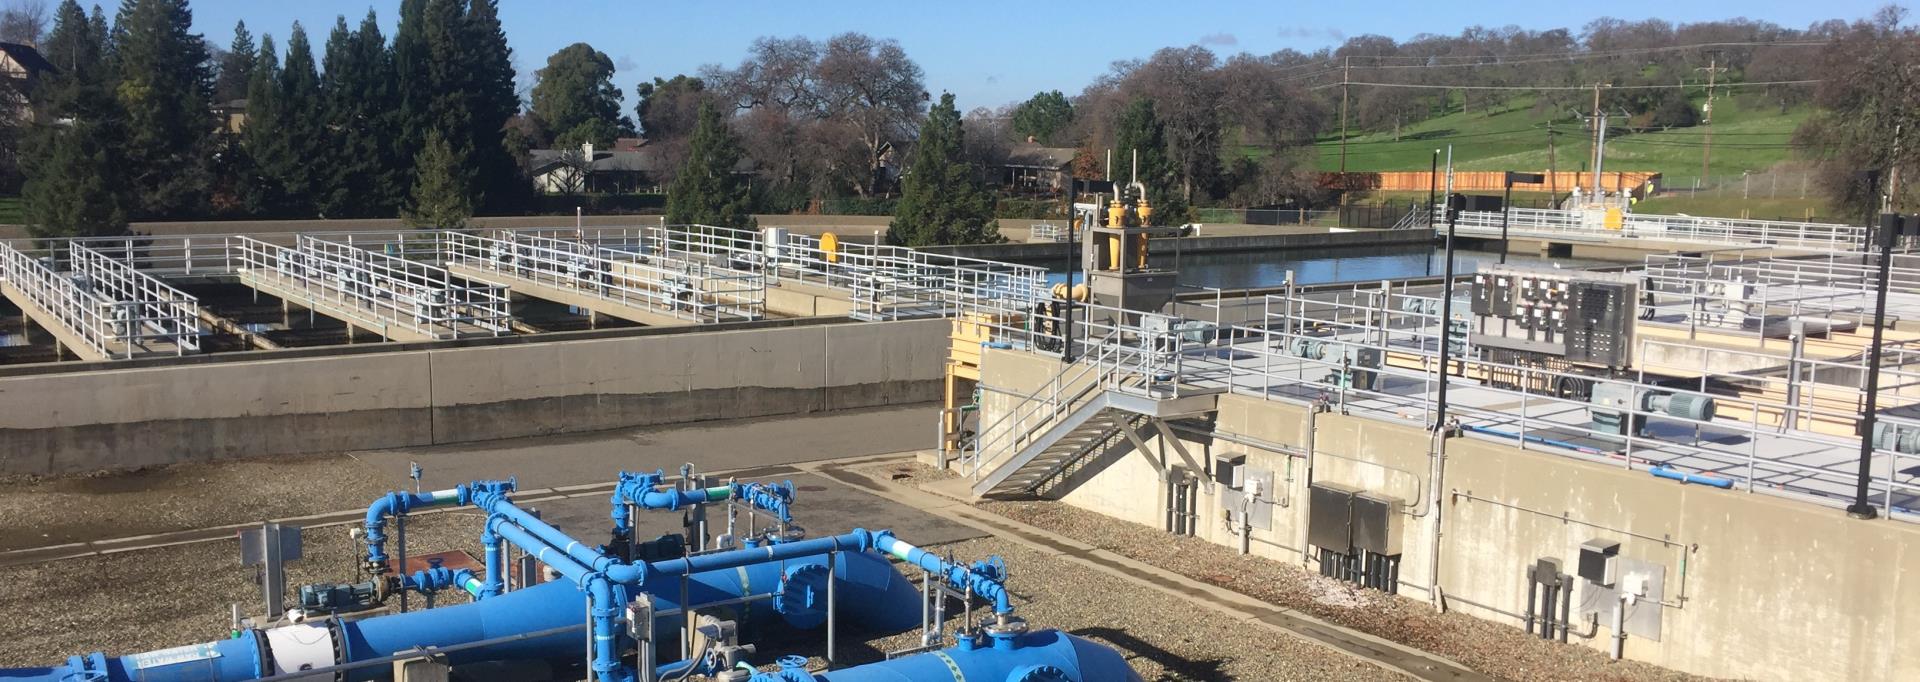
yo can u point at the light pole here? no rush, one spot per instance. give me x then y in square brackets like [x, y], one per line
[1433, 186]
[1455, 202]
[1893, 226]
[1506, 205]
[1073, 253]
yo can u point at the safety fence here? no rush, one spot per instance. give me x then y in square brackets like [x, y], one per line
[378, 291]
[1595, 225]
[615, 272]
[157, 316]
[110, 311]
[1375, 350]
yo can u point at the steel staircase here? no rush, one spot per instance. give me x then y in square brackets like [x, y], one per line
[1082, 411]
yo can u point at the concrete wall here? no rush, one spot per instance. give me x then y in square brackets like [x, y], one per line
[1774, 588]
[127, 418]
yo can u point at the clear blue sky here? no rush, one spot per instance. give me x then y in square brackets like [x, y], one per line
[987, 53]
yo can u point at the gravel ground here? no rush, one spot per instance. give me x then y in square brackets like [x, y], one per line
[1497, 650]
[169, 596]
[42, 512]
[53, 611]
[1162, 637]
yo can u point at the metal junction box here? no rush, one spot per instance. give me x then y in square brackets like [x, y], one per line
[1329, 516]
[1597, 559]
[1230, 470]
[1376, 523]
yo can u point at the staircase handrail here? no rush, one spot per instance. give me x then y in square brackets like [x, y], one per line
[1063, 393]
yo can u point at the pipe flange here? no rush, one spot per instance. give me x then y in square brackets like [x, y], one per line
[1007, 627]
[1041, 673]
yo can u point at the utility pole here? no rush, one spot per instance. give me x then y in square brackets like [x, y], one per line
[1706, 112]
[1346, 76]
[1599, 121]
[1553, 169]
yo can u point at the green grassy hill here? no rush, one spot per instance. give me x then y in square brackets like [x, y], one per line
[1745, 139]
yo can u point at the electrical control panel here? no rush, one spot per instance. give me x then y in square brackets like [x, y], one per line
[1586, 317]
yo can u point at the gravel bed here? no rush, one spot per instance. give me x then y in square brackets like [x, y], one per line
[170, 596]
[1491, 648]
[1161, 636]
[53, 511]
[52, 611]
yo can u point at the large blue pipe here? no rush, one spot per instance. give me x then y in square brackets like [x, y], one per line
[873, 596]
[1042, 656]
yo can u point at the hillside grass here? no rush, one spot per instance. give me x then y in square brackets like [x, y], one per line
[1515, 138]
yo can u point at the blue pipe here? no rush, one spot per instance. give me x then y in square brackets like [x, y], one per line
[1684, 477]
[985, 578]
[399, 503]
[436, 578]
[643, 490]
[1040, 656]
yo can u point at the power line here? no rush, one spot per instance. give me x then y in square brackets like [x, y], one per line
[1592, 54]
[1565, 87]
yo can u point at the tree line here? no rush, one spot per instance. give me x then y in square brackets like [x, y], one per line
[128, 128]
[428, 124]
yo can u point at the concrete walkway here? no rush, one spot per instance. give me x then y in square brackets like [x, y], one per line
[938, 500]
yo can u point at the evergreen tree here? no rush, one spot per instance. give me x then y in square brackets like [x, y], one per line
[166, 91]
[576, 98]
[266, 145]
[941, 200]
[73, 165]
[439, 199]
[1043, 116]
[299, 167]
[1140, 131]
[236, 67]
[708, 192]
[73, 181]
[364, 178]
[413, 85]
[502, 180]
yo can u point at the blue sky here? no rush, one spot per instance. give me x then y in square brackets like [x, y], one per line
[987, 53]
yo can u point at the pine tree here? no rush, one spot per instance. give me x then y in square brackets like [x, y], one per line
[300, 169]
[439, 200]
[166, 90]
[73, 164]
[236, 67]
[78, 49]
[1141, 131]
[265, 142]
[501, 180]
[413, 85]
[363, 179]
[708, 192]
[73, 182]
[941, 200]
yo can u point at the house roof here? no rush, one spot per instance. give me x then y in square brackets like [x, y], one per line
[27, 57]
[646, 159]
[1028, 155]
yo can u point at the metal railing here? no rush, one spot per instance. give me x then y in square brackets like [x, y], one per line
[679, 288]
[1722, 231]
[380, 291]
[159, 317]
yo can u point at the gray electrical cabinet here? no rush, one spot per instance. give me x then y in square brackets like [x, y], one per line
[1603, 313]
[1329, 516]
[1376, 523]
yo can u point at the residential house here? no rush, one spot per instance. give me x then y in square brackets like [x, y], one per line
[23, 66]
[1033, 169]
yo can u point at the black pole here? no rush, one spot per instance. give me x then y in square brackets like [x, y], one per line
[1073, 250]
[1889, 233]
[1506, 211]
[1446, 310]
[1433, 186]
